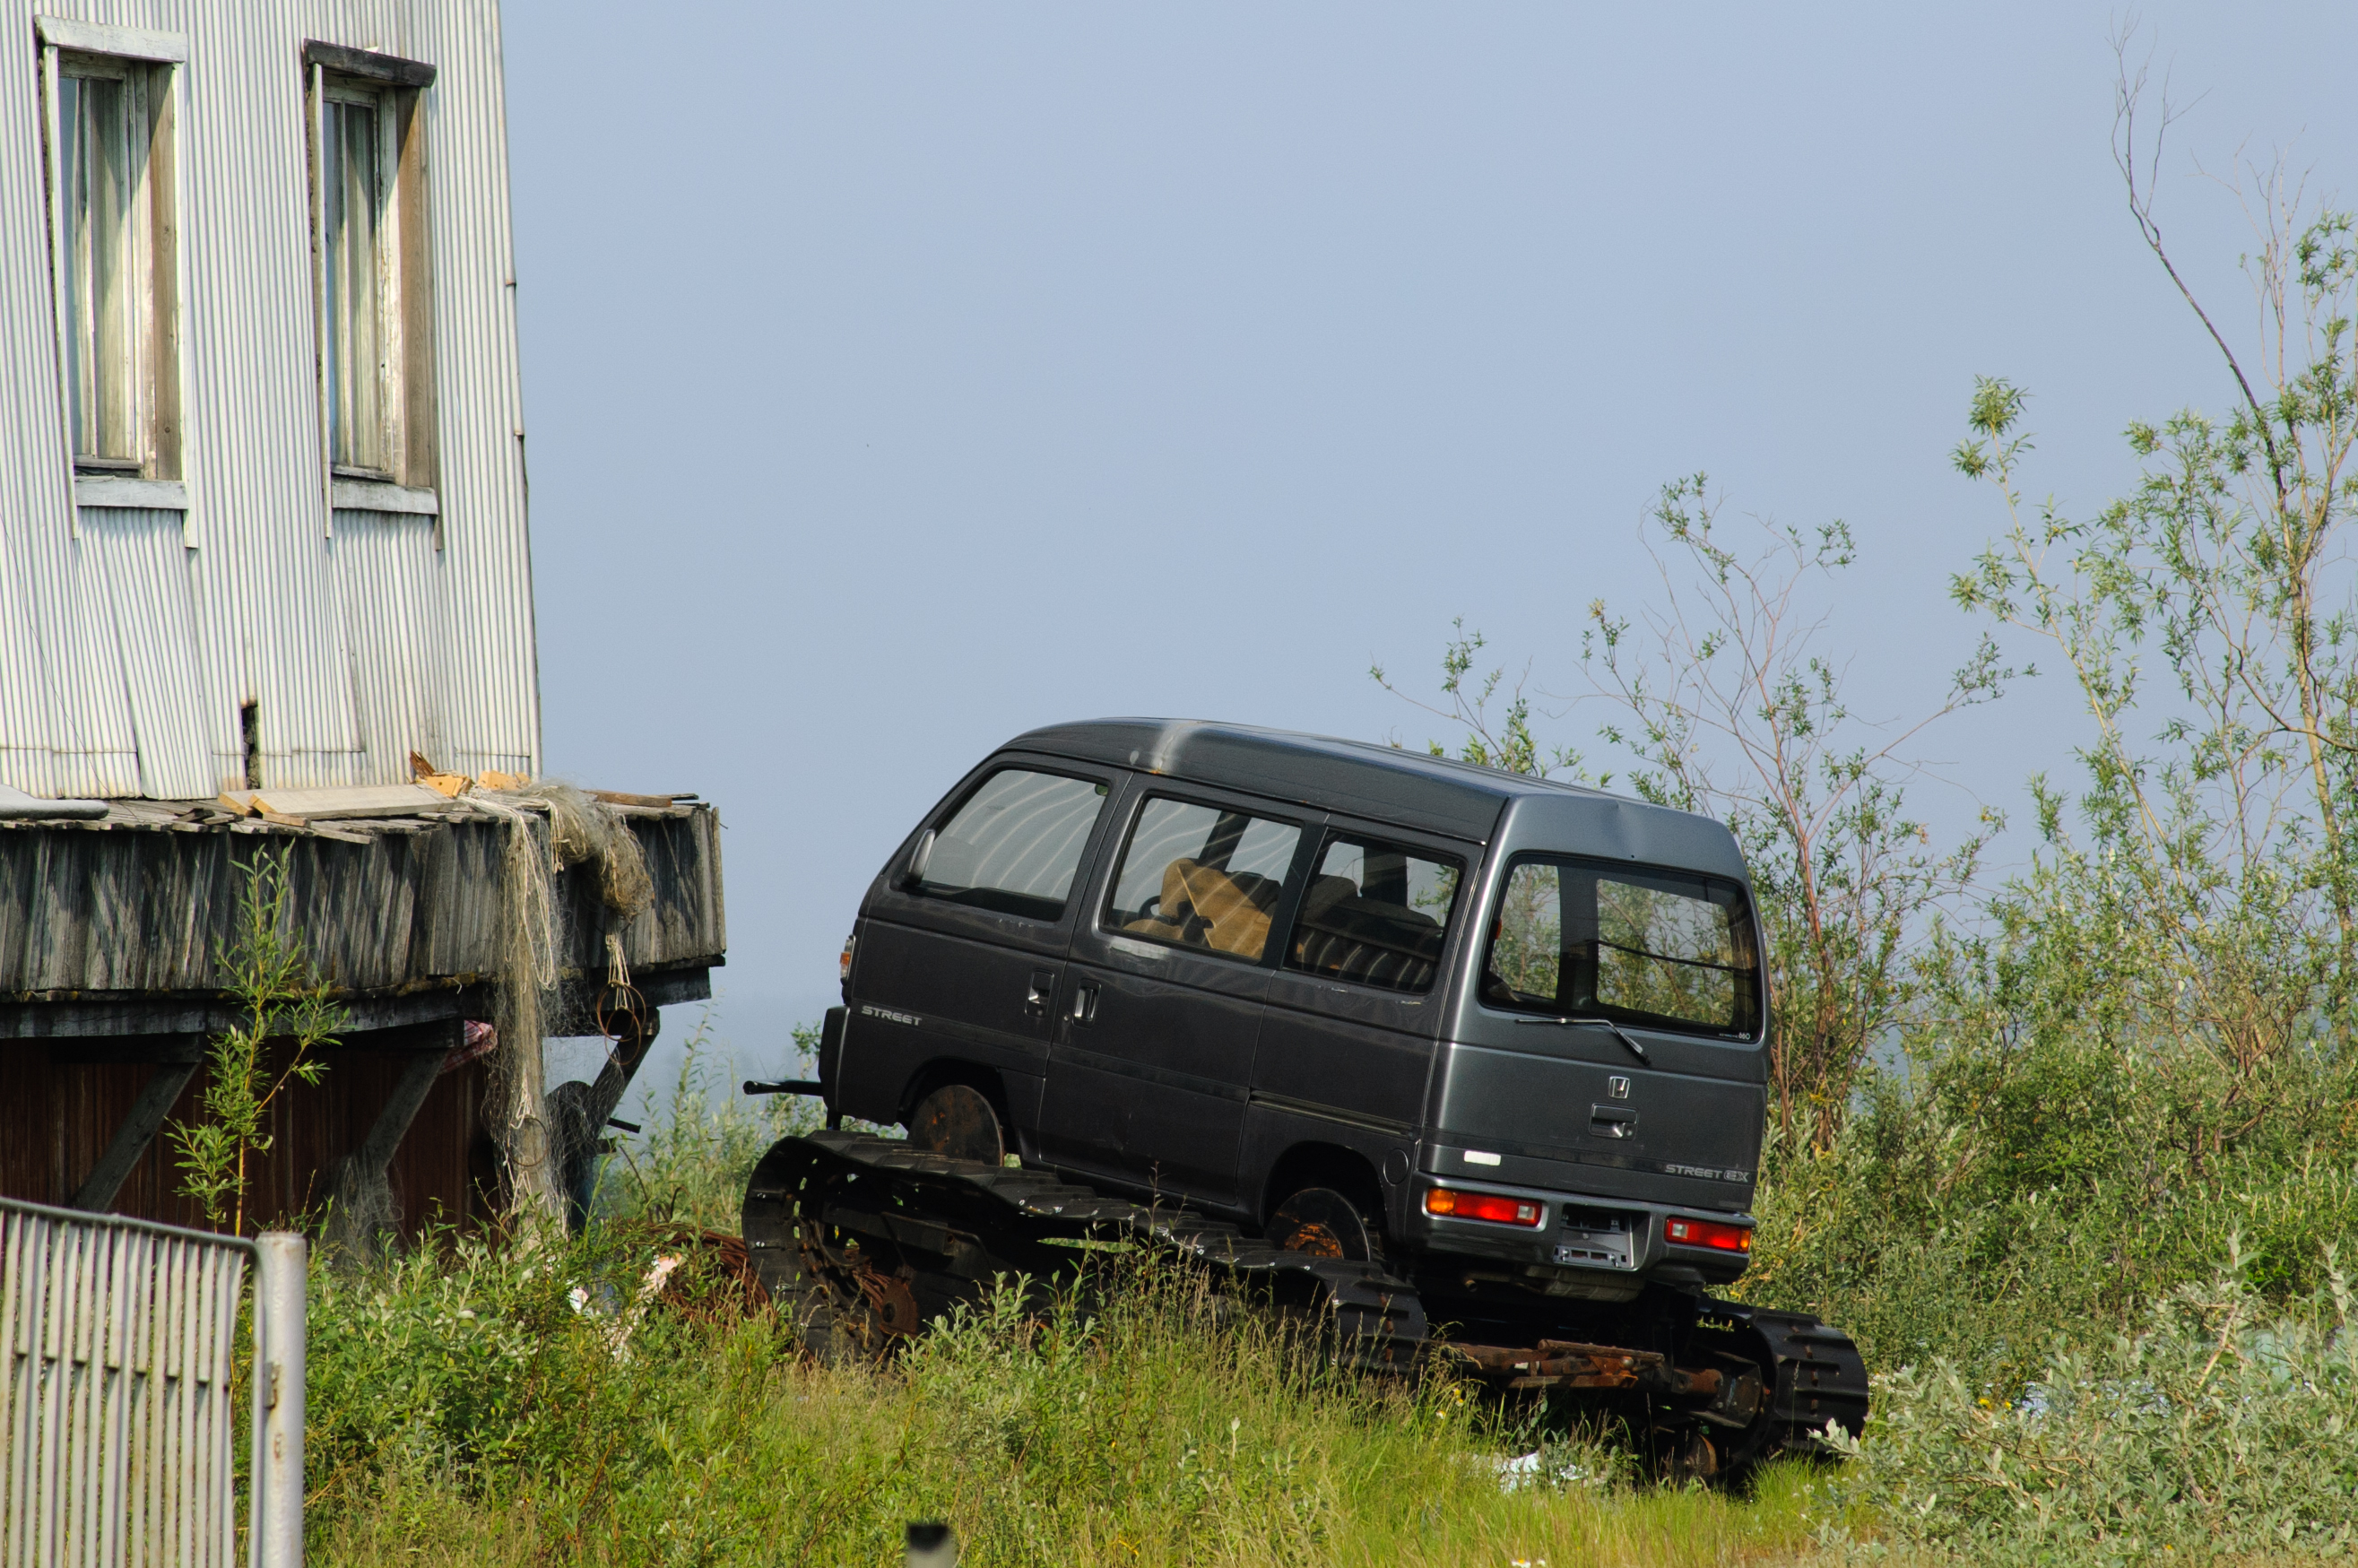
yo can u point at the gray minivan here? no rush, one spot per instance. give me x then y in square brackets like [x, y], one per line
[1503, 1036]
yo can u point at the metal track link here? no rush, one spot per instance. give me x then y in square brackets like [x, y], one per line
[1820, 1375]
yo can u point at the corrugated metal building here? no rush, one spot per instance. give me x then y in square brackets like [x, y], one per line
[229, 606]
[262, 527]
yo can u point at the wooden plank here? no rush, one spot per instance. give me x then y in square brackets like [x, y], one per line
[617, 797]
[144, 1050]
[363, 800]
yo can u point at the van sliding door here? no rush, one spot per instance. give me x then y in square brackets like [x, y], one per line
[1152, 1054]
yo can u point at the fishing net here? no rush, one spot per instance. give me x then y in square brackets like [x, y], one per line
[548, 828]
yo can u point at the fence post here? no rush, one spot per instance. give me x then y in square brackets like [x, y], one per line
[278, 1300]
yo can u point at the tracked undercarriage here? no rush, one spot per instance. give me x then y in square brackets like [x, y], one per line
[866, 1240]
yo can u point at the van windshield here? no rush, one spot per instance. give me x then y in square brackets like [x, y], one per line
[1668, 949]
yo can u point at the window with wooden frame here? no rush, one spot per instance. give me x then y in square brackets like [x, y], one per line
[371, 260]
[109, 135]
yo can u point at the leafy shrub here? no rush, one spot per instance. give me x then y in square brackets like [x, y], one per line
[702, 1140]
[2008, 1190]
[2217, 1432]
[437, 1361]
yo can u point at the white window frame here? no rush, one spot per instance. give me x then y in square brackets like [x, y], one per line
[407, 480]
[147, 62]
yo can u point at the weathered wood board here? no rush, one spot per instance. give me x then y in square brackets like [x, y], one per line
[94, 912]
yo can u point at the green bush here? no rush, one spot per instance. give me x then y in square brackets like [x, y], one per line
[2002, 1194]
[688, 1163]
[448, 1359]
[2218, 1432]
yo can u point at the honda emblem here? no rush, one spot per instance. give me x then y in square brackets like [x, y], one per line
[1617, 1087]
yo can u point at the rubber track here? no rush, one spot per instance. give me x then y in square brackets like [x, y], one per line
[1819, 1375]
[1379, 1316]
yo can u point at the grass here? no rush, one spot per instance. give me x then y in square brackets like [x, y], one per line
[1158, 1432]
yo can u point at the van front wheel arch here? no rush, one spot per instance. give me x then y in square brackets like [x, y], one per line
[958, 1120]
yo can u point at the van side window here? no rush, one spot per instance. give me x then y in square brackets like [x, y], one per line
[1015, 845]
[1653, 947]
[1202, 876]
[1375, 913]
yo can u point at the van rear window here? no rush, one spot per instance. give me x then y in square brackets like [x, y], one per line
[1663, 948]
[1016, 844]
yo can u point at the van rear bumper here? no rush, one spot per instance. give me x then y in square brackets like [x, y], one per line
[1586, 1226]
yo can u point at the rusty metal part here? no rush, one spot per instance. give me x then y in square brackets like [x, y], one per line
[1560, 1364]
[1323, 1223]
[1722, 1396]
[958, 1120]
[890, 1303]
[1311, 1238]
[719, 1279]
[621, 1013]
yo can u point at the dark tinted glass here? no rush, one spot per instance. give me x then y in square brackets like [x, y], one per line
[1202, 876]
[1655, 947]
[1016, 843]
[1375, 913]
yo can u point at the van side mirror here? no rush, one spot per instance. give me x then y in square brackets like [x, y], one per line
[919, 857]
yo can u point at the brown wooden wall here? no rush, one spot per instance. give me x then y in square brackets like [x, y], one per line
[57, 1117]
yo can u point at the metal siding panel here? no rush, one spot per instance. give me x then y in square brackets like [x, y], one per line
[97, 751]
[141, 571]
[35, 516]
[118, 1339]
[354, 655]
[387, 582]
[494, 685]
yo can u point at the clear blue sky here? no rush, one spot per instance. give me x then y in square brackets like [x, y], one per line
[900, 377]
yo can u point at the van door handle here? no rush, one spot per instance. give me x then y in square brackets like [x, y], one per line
[1611, 1121]
[1035, 998]
[1085, 1004]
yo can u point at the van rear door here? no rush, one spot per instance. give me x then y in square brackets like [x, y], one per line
[1614, 1026]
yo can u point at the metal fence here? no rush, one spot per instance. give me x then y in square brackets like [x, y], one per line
[117, 1419]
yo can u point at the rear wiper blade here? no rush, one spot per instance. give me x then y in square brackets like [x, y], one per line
[1618, 1032]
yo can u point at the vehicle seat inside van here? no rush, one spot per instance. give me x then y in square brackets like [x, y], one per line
[1203, 906]
[1350, 937]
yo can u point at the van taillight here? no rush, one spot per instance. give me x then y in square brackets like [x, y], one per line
[845, 976]
[1481, 1206]
[1709, 1233]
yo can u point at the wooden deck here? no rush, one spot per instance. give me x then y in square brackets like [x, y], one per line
[111, 932]
[116, 927]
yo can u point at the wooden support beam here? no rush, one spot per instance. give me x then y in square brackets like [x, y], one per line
[131, 1140]
[362, 1192]
[579, 1112]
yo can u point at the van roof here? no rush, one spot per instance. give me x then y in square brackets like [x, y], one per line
[1386, 783]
